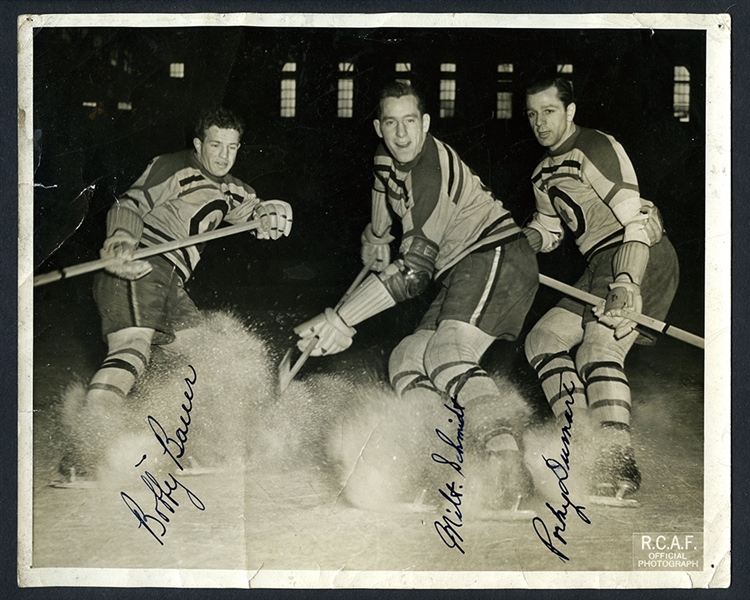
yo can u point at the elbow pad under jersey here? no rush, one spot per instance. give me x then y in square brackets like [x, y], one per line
[647, 227]
[403, 282]
[409, 276]
[122, 218]
[549, 228]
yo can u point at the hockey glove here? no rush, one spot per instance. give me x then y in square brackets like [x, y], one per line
[275, 218]
[329, 328]
[622, 295]
[376, 251]
[121, 246]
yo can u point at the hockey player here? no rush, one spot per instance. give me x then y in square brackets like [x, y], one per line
[456, 232]
[143, 302]
[587, 182]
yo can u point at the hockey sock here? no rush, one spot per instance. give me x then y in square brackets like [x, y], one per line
[129, 353]
[608, 392]
[561, 384]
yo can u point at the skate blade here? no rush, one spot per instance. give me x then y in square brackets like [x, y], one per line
[614, 501]
[79, 484]
[194, 468]
[412, 507]
[504, 515]
[195, 471]
[606, 497]
[417, 506]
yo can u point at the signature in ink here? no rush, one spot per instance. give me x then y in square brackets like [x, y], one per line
[163, 501]
[561, 471]
[458, 412]
[181, 434]
[446, 527]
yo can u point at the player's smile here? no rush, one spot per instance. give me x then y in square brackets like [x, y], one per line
[402, 127]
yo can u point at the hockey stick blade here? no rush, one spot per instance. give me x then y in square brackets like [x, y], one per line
[286, 374]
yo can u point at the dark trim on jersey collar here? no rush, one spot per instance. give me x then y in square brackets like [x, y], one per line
[568, 144]
[194, 162]
[406, 167]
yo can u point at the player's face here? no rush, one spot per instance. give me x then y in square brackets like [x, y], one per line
[550, 120]
[218, 150]
[402, 127]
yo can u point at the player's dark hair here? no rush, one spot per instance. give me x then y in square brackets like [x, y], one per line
[397, 89]
[222, 117]
[564, 88]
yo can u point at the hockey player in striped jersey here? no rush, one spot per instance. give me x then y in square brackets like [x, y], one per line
[143, 302]
[456, 232]
[587, 182]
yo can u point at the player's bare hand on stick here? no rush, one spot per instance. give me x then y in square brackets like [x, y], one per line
[623, 295]
[120, 248]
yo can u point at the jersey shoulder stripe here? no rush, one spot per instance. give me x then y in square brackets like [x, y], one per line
[456, 169]
[199, 188]
[166, 166]
[426, 183]
[190, 179]
[601, 151]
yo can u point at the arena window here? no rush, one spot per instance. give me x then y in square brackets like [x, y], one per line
[177, 70]
[504, 98]
[448, 92]
[566, 68]
[403, 67]
[681, 97]
[288, 90]
[346, 92]
[124, 106]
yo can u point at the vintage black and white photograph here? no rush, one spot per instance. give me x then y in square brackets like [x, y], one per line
[374, 300]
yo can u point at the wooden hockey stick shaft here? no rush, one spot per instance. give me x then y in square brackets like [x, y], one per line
[639, 318]
[286, 378]
[95, 265]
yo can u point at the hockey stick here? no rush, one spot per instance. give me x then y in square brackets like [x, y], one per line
[639, 318]
[286, 374]
[95, 265]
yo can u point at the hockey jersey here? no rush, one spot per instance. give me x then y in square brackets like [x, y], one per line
[176, 198]
[589, 182]
[438, 198]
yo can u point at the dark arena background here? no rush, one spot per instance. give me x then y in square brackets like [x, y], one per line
[108, 100]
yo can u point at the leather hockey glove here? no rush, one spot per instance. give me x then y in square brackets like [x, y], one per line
[376, 251]
[275, 218]
[334, 335]
[623, 294]
[121, 246]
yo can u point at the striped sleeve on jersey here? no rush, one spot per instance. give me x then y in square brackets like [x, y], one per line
[159, 183]
[608, 169]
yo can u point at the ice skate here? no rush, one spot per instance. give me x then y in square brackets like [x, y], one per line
[511, 485]
[72, 474]
[616, 475]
